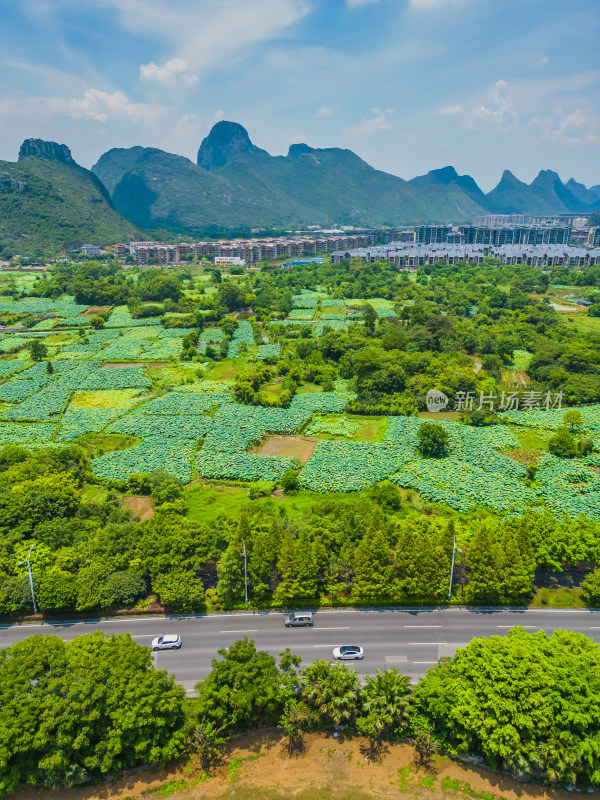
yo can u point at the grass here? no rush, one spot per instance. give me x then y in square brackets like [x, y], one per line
[272, 390]
[585, 323]
[96, 444]
[226, 370]
[309, 388]
[560, 597]
[532, 443]
[93, 494]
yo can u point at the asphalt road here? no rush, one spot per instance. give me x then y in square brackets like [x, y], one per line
[410, 639]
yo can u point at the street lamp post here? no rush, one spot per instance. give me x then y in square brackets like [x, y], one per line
[245, 573]
[454, 549]
[28, 562]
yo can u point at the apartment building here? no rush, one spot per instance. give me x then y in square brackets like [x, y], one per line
[412, 256]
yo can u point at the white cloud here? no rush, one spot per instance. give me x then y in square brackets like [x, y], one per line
[211, 34]
[451, 110]
[431, 5]
[499, 110]
[358, 3]
[368, 126]
[564, 127]
[99, 105]
[542, 61]
[173, 72]
[325, 111]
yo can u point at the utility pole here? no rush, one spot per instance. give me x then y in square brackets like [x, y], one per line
[454, 549]
[28, 562]
[245, 573]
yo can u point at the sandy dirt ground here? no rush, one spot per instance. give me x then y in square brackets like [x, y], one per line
[258, 766]
[141, 507]
[299, 447]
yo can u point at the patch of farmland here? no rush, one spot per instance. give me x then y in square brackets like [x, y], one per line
[299, 447]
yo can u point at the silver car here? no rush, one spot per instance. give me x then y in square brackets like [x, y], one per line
[348, 652]
[170, 642]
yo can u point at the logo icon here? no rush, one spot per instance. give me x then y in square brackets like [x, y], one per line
[436, 400]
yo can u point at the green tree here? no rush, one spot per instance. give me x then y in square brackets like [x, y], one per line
[331, 690]
[289, 481]
[485, 562]
[37, 350]
[206, 742]
[432, 440]
[295, 720]
[574, 419]
[372, 564]
[64, 719]
[97, 322]
[563, 444]
[57, 591]
[525, 703]
[230, 569]
[180, 591]
[370, 318]
[245, 689]
[125, 587]
[590, 587]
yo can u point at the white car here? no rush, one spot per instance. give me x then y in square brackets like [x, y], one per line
[171, 642]
[348, 652]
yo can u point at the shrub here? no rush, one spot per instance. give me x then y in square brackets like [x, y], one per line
[125, 587]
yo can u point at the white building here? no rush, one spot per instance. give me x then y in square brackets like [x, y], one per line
[90, 250]
[232, 261]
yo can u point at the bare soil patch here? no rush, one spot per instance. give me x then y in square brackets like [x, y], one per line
[124, 364]
[94, 310]
[142, 507]
[299, 447]
[257, 766]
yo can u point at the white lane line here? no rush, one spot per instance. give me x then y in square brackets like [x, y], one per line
[429, 644]
[340, 628]
[423, 662]
[246, 630]
[422, 626]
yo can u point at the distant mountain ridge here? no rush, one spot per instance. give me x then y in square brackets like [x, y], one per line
[235, 183]
[48, 203]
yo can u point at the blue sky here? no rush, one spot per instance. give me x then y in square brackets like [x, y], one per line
[409, 85]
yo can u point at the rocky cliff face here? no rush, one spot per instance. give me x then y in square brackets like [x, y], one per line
[226, 142]
[52, 151]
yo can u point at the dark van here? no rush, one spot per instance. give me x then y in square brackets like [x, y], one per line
[299, 619]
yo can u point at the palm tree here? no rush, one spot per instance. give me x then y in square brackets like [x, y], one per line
[333, 691]
[388, 695]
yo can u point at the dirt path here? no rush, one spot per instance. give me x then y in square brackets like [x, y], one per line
[257, 767]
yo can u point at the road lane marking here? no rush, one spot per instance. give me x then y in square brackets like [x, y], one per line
[422, 626]
[246, 630]
[424, 662]
[340, 628]
[396, 659]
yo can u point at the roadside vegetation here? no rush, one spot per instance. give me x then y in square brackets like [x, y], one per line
[525, 705]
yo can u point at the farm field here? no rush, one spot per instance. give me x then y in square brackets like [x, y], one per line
[124, 394]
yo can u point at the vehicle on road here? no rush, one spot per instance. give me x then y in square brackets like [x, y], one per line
[170, 642]
[299, 619]
[348, 652]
